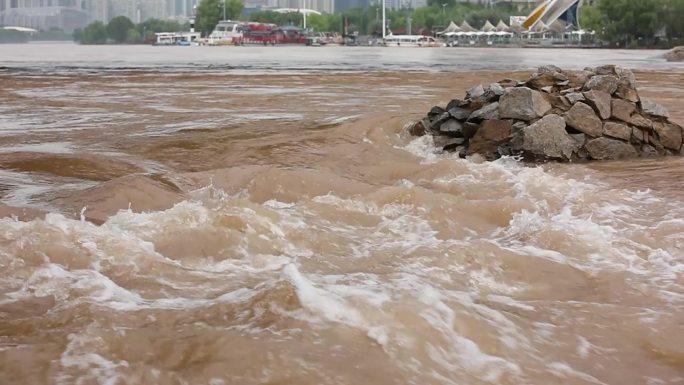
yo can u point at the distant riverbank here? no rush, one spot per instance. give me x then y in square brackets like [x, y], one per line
[67, 56]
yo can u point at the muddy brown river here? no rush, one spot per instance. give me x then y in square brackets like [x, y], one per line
[205, 215]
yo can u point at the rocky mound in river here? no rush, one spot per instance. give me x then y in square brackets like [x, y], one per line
[676, 54]
[556, 114]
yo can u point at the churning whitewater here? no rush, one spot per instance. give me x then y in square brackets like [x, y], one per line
[151, 245]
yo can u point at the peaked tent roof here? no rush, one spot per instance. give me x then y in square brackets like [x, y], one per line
[451, 28]
[465, 27]
[488, 27]
[501, 26]
[539, 27]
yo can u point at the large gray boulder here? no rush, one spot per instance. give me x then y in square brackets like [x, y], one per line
[488, 112]
[489, 137]
[451, 127]
[475, 92]
[619, 72]
[577, 78]
[496, 89]
[545, 139]
[627, 92]
[670, 135]
[640, 121]
[582, 118]
[574, 97]
[546, 79]
[626, 88]
[600, 101]
[654, 109]
[522, 103]
[605, 149]
[459, 113]
[548, 68]
[638, 136]
[622, 109]
[617, 130]
[605, 83]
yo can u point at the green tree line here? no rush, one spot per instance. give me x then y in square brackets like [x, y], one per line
[367, 21]
[209, 12]
[121, 30]
[636, 23]
[625, 23]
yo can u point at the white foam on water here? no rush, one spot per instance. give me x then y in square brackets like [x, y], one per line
[424, 148]
[331, 306]
[80, 364]
[414, 265]
[459, 353]
[47, 147]
[584, 347]
[510, 302]
[566, 372]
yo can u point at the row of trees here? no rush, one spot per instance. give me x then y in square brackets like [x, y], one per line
[366, 21]
[622, 22]
[209, 12]
[633, 23]
[121, 30]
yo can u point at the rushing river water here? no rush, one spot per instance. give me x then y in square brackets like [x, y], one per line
[200, 215]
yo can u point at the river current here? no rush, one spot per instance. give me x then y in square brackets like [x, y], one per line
[249, 215]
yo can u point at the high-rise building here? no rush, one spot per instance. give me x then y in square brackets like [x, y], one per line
[126, 8]
[43, 14]
[153, 9]
[98, 10]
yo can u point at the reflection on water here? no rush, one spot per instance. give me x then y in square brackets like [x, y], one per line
[238, 229]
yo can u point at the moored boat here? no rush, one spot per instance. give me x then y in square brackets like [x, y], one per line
[411, 41]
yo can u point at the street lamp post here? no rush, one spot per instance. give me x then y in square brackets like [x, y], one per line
[222, 4]
[409, 19]
[384, 25]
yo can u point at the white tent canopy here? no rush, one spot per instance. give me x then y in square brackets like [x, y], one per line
[540, 27]
[451, 28]
[465, 27]
[488, 27]
[501, 26]
[477, 33]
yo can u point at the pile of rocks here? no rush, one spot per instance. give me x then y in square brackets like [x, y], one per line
[555, 115]
[676, 54]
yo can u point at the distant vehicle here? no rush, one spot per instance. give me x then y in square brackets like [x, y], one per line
[271, 34]
[411, 41]
[177, 38]
[226, 32]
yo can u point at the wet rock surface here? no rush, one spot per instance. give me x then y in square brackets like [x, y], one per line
[558, 115]
[676, 54]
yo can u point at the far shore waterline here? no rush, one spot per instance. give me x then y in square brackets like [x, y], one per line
[49, 57]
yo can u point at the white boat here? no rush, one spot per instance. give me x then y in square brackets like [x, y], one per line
[177, 38]
[225, 33]
[411, 41]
